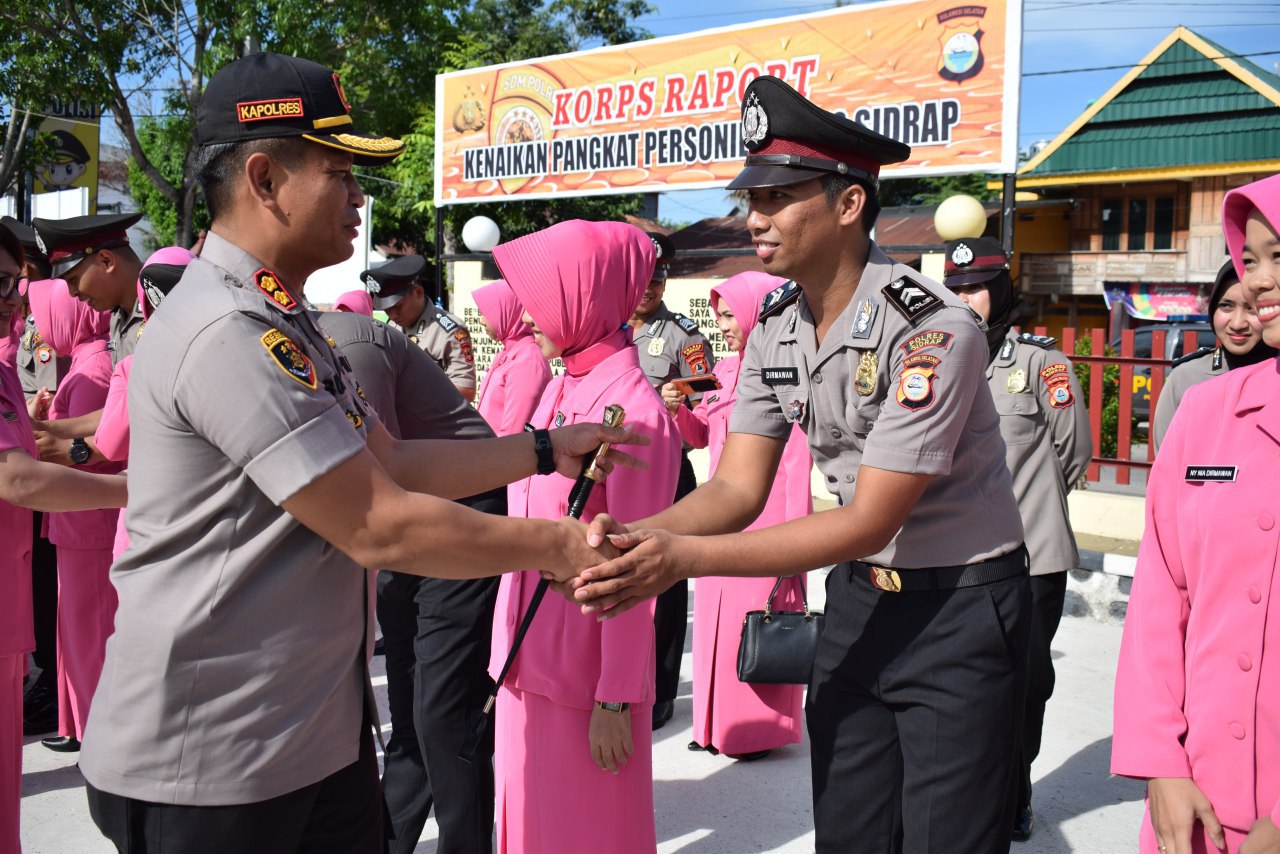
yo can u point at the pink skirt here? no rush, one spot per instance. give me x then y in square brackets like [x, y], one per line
[542, 763]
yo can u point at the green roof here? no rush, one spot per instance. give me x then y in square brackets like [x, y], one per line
[1183, 109]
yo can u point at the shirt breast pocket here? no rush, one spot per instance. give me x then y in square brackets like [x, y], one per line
[1021, 417]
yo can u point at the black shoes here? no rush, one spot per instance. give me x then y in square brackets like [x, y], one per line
[662, 713]
[694, 746]
[62, 744]
[749, 757]
[40, 709]
[1023, 823]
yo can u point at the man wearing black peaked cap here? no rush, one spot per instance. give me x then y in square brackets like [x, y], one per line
[233, 712]
[914, 702]
[395, 289]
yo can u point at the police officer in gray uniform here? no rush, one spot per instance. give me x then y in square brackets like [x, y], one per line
[671, 346]
[1047, 447]
[233, 710]
[1239, 334]
[436, 631]
[914, 703]
[444, 337]
[38, 365]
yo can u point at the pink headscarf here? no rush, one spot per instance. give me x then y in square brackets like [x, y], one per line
[744, 293]
[356, 302]
[498, 303]
[175, 255]
[1264, 196]
[580, 281]
[65, 322]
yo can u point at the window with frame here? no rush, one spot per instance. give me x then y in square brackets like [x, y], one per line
[1162, 224]
[1112, 225]
[1137, 225]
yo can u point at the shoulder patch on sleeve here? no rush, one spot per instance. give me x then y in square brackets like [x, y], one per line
[1044, 342]
[463, 337]
[1191, 357]
[778, 299]
[685, 323]
[447, 322]
[695, 356]
[911, 299]
[289, 356]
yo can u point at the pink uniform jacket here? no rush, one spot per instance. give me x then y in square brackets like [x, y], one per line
[568, 657]
[519, 374]
[1198, 685]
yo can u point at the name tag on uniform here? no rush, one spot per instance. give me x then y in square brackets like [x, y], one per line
[1215, 474]
[780, 376]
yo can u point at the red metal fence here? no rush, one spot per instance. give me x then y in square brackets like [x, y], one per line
[1126, 390]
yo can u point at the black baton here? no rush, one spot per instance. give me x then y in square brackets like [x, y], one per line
[591, 473]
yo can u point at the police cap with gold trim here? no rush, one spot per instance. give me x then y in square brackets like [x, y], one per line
[791, 139]
[972, 261]
[269, 95]
[67, 242]
[388, 283]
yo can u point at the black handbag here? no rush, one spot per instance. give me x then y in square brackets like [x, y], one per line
[778, 647]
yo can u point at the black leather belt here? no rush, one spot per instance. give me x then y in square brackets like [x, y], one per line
[935, 578]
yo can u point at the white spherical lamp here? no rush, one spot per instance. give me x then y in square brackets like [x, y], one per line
[481, 234]
[960, 216]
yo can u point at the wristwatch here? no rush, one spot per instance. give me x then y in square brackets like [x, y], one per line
[616, 708]
[79, 452]
[542, 447]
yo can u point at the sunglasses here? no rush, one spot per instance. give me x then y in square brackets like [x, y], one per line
[13, 284]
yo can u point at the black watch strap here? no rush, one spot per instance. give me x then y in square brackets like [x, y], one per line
[542, 447]
[79, 451]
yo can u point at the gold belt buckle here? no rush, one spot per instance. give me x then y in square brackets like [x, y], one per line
[887, 580]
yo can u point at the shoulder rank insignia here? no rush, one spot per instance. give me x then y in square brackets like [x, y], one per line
[1042, 341]
[778, 299]
[686, 324]
[271, 288]
[447, 322]
[1191, 357]
[289, 357]
[911, 299]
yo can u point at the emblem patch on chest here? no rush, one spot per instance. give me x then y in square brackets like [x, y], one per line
[1016, 381]
[273, 290]
[864, 381]
[915, 385]
[289, 356]
[656, 346]
[780, 376]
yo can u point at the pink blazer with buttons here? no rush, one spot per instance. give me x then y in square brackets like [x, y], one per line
[568, 657]
[1198, 685]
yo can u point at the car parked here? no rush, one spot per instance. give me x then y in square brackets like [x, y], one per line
[1174, 333]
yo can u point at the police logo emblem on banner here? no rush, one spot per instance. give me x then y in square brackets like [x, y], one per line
[755, 122]
[961, 42]
[289, 357]
[469, 116]
[273, 290]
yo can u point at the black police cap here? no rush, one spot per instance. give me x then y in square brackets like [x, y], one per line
[973, 260]
[665, 252]
[26, 236]
[67, 242]
[269, 95]
[791, 139]
[158, 280]
[388, 283]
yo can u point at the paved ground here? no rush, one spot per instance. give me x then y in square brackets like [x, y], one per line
[712, 805]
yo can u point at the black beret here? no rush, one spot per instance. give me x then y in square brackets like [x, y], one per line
[67, 242]
[388, 283]
[973, 260]
[791, 139]
[269, 95]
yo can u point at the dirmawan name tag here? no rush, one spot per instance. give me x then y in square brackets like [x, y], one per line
[1219, 474]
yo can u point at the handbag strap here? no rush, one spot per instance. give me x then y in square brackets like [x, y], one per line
[804, 596]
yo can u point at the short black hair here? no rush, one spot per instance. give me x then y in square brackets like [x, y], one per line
[833, 185]
[217, 166]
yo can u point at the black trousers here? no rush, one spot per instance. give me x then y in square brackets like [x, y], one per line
[341, 814]
[44, 599]
[1047, 595]
[913, 713]
[671, 611]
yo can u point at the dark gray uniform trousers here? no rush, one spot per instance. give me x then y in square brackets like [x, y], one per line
[1048, 592]
[914, 712]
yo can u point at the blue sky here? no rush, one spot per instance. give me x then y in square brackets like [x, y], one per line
[1058, 35]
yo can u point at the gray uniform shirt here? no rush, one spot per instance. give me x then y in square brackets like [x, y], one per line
[126, 327]
[236, 671]
[1200, 366]
[897, 385]
[39, 366]
[445, 338]
[410, 392]
[1047, 444]
[671, 346]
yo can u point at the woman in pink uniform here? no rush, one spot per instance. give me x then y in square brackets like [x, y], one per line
[1197, 700]
[86, 599]
[555, 744]
[25, 483]
[742, 720]
[519, 374]
[358, 302]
